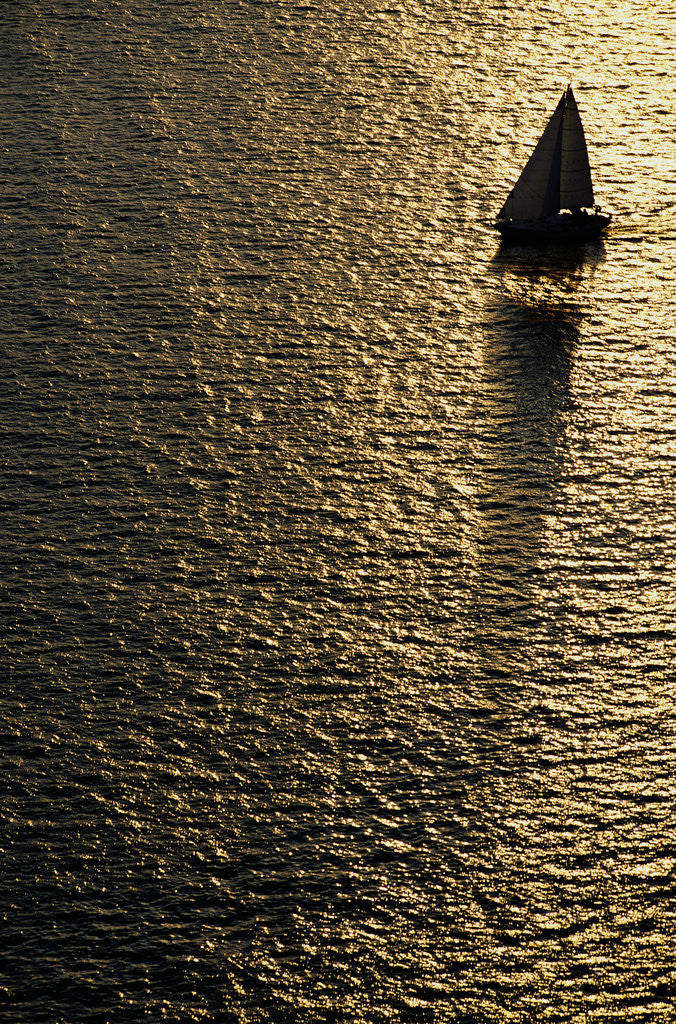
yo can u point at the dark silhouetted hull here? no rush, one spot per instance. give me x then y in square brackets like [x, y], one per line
[561, 228]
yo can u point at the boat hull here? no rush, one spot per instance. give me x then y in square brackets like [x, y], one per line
[561, 228]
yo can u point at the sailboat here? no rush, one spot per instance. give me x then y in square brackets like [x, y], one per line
[553, 200]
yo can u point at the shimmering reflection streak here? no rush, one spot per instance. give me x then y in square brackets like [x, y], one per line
[338, 561]
[581, 808]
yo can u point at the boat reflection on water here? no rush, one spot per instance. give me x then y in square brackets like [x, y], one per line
[531, 331]
[539, 296]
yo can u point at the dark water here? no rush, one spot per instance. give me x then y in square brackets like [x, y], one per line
[338, 568]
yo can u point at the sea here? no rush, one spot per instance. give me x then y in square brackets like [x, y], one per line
[338, 561]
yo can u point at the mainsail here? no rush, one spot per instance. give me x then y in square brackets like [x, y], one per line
[576, 183]
[557, 175]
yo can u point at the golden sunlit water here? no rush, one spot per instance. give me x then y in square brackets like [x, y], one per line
[339, 542]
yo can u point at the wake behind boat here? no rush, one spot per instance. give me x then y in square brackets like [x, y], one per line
[553, 200]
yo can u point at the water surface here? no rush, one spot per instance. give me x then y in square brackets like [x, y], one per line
[338, 566]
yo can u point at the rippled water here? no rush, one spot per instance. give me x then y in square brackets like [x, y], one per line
[338, 570]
